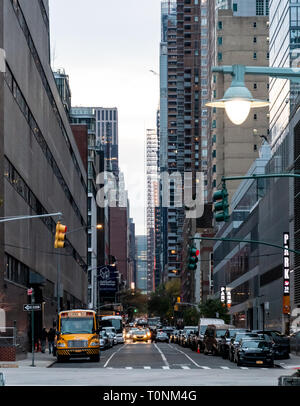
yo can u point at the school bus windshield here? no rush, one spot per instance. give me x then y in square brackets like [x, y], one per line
[80, 325]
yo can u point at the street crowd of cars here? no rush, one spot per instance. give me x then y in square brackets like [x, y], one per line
[239, 345]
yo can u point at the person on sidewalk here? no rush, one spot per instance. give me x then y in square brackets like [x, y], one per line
[44, 336]
[51, 337]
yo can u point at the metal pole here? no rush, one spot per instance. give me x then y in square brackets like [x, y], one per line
[5, 219]
[32, 327]
[58, 282]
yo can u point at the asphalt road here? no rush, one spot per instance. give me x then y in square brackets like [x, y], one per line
[156, 356]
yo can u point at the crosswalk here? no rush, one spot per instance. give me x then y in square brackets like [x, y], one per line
[185, 367]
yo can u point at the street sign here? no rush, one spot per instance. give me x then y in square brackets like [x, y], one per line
[30, 307]
[29, 292]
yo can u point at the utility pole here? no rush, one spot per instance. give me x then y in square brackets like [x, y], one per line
[32, 327]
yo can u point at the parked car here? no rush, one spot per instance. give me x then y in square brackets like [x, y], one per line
[173, 335]
[140, 335]
[223, 343]
[295, 343]
[161, 336]
[202, 325]
[168, 330]
[111, 332]
[184, 336]
[234, 342]
[181, 336]
[190, 337]
[213, 336]
[281, 343]
[255, 351]
[105, 340]
[177, 337]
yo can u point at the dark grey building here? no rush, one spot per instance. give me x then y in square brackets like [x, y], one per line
[253, 274]
[43, 173]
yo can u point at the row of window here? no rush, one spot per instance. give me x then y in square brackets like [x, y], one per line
[220, 25]
[18, 96]
[34, 53]
[18, 183]
[16, 271]
[220, 55]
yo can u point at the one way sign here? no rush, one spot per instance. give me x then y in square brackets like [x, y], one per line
[30, 307]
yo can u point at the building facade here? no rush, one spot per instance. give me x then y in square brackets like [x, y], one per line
[43, 173]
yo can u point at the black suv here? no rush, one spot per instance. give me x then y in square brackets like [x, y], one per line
[234, 342]
[281, 343]
[223, 343]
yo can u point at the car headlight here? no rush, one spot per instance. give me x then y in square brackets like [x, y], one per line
[61, 345]
[95, 343]
[134, 336]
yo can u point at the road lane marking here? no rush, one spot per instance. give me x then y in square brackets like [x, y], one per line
[105, 365]
[147, 367]
[128, 367]
[244, 367]
[162, 355]
[195, 363]
[185, 367]
[204, 367]
[225, 367]
[165, 367]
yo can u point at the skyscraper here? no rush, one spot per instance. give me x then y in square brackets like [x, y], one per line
[152, 178]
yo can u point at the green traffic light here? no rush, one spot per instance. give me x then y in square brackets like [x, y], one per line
[221, 206]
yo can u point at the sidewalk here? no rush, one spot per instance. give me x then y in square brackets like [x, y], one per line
[292, 363]
[41, 360]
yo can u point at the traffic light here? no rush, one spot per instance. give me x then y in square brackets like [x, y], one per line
[221, 206]
[60, 235]
[193, 258]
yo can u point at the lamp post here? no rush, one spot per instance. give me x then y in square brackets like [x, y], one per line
[237, 99]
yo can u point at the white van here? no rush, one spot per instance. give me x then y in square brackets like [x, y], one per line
[203, 323]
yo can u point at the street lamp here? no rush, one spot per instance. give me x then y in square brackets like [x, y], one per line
[98, 227]
[237, 99]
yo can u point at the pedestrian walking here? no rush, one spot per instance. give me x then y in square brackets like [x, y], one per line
[44, 336]
[51, 337]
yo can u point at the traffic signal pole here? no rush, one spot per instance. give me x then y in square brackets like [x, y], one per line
[245, 241]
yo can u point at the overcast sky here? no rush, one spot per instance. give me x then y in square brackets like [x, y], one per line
[107, 47]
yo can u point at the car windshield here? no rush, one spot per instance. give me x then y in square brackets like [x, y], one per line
[140, 332]
[255, 344]
[202, 329]
[74, 325]
[232, 333]
[220, 333]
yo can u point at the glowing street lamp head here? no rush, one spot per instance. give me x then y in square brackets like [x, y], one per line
[237, 110]
[238, 101]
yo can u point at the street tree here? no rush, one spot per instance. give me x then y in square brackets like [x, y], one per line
[213, 308]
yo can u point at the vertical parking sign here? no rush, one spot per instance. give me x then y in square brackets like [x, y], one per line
[286, 274]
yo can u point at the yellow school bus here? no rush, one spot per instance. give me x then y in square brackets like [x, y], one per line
[77, 335]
